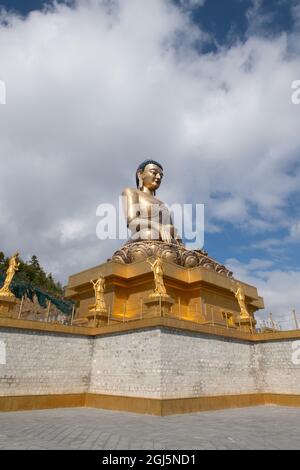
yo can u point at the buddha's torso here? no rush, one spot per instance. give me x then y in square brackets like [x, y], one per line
[148, 217]
[151, 207]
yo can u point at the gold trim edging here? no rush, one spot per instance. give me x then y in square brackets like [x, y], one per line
[41, 402]
[171, 323]
[149, 406]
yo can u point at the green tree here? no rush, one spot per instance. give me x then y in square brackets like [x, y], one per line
[32, 272]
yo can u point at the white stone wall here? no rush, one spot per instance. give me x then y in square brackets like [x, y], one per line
[41, 363]
[155, 363]
[278, 367]
[162, 363]
[198, 365]
[128, 364]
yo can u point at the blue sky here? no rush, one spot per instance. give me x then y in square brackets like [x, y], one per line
[222, 19]
[214, 106]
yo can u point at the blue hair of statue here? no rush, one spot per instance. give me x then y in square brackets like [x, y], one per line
[142, 166]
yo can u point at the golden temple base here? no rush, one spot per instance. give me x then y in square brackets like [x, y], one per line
[194, 294]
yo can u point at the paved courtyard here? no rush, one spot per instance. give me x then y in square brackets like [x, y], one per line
[266, 427]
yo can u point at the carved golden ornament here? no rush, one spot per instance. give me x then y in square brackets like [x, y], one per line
[132, 252]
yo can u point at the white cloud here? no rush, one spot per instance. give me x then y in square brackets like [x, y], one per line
[296, 14]
[295, 231]
[257, 18]
[192, 3]
[268, 244]
[232, 209]
[93, 90]
[277, 245]
[72, 229]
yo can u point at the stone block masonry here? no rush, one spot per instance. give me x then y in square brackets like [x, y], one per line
[140, 361]
[163, 363]
[43, 363]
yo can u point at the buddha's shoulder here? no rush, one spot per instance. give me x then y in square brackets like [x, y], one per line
[130, 192]
[140, 195]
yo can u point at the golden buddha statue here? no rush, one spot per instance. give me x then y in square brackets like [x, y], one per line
[147, 217]
[152, 231]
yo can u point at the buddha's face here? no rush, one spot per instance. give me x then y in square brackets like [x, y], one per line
[152, 176]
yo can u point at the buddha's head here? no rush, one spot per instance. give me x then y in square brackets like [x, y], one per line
[149, 175]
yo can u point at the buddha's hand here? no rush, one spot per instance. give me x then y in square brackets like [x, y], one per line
[165, 233]
[176, 236]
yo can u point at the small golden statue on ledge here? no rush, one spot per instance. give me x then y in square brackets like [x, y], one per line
[12, 268]
[99, 288]
[98, 313]
[240, 296]
[158, 302]
[157, 268]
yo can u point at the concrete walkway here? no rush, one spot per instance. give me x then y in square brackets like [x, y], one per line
[266, 427]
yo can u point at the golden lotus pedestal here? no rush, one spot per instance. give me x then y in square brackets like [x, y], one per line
[245, 323]
[96, 318]
[7, 304]
[158, 305]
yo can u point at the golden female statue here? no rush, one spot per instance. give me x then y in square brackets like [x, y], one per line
[240, 296]
[12, 268]
[147, 217]
[99, 288]
[157, 268]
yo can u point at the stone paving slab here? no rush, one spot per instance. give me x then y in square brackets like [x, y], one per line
[266, 427]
